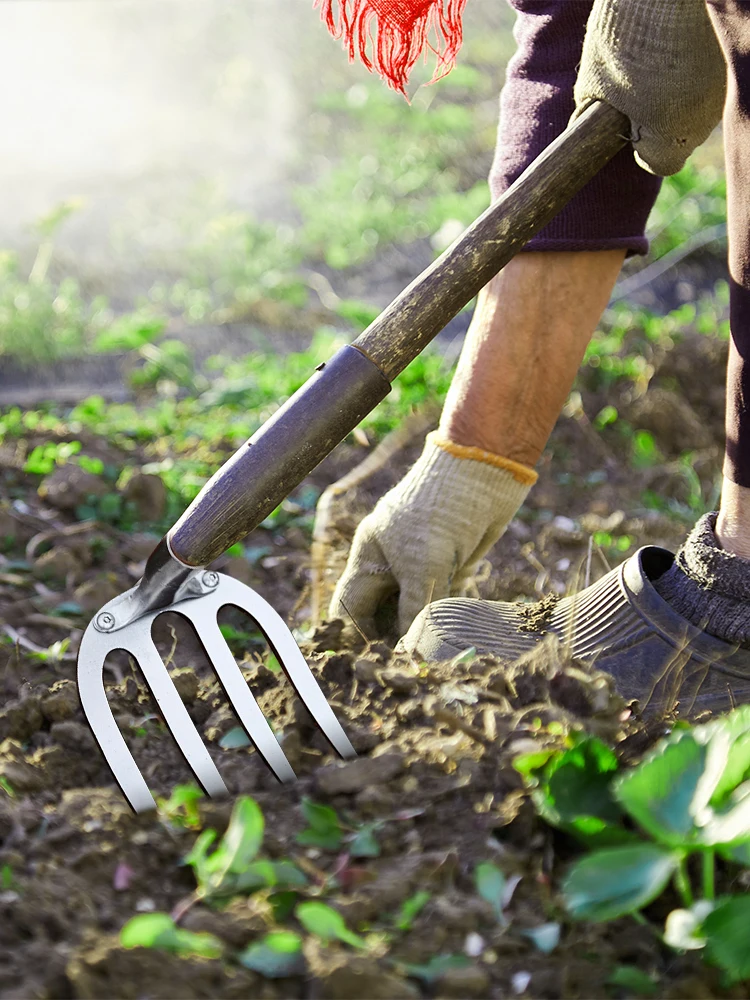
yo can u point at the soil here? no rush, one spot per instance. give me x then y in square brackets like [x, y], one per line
[435, 744]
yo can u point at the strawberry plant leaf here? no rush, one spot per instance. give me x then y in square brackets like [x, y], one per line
[660, 793]
[726, 933]
[571, 790]
[617, 880]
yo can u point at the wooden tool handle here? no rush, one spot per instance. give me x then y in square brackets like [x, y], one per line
[277, 458]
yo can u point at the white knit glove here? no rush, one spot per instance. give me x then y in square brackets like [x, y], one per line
[659, 62]
[425, 537]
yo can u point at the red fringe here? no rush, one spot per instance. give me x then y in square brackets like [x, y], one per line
[390, 35]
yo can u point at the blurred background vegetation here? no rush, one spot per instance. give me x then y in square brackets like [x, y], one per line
[205, 194]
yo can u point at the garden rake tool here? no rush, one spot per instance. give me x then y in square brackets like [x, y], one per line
[262, 473]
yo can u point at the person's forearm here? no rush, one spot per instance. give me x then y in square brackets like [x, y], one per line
[523, 349]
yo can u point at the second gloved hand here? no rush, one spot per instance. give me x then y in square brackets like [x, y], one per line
[659, 62]
[425, 537]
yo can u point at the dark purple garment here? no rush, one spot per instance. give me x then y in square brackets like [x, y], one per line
[731, 19]
[535, 107]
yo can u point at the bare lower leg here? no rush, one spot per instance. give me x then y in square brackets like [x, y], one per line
[523, 349]
[733, 522]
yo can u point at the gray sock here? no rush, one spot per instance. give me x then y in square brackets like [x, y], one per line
[709, 586]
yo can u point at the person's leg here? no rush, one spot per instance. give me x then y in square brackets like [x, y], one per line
[523, 349]
[533, 321]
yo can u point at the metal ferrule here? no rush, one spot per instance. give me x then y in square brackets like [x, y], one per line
[165, 581]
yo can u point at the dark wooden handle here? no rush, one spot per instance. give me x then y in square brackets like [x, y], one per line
[277, 458]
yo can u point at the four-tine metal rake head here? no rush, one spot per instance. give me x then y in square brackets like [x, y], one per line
[198, 595]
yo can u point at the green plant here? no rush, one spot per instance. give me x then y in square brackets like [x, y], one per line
[52, 654]
[689, 798]
[323, 921]
[234, 867]
[276, 955]
[323, 829]
[411, 908]
[181, 808]
[158, 930]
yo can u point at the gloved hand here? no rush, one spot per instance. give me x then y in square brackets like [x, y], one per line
[425, 537]
[659, 62]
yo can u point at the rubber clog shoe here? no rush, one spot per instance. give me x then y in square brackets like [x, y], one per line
[620, 624]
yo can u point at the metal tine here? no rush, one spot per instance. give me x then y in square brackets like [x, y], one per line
[231, 591]
[97, 710]
[137, 641]
[177, 717]
[243, 701]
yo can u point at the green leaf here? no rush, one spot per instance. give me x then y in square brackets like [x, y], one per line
[490, 883]
[243, 838]
[572, 791]
[268, 875]
[130, 332]
[736, 725]
[283, 904]
[727, 933]
[364, 844]
[437, 966]
[739, 853]
[182, 805]
[630, 977]
[617, 880]
[326, 923]
[197, 856]
[660, 794]
[545, 937]
[528, 764]
[276, 955]
[411, 908]
[220, 873]
[324, 829]
[158, 930]
[143, 931]
[730, 825]
[234, 738]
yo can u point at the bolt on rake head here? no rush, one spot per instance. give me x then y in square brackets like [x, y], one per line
[125, 623]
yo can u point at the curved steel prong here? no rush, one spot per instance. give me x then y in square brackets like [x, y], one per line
[136, 640]
[203, 611]
[91, 656]
[243, 700]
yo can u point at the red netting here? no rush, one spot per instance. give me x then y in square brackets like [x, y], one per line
[390, 35]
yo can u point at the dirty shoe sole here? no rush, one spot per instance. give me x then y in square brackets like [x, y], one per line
[619, 624]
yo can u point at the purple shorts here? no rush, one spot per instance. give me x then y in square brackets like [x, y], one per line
[535, 106]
